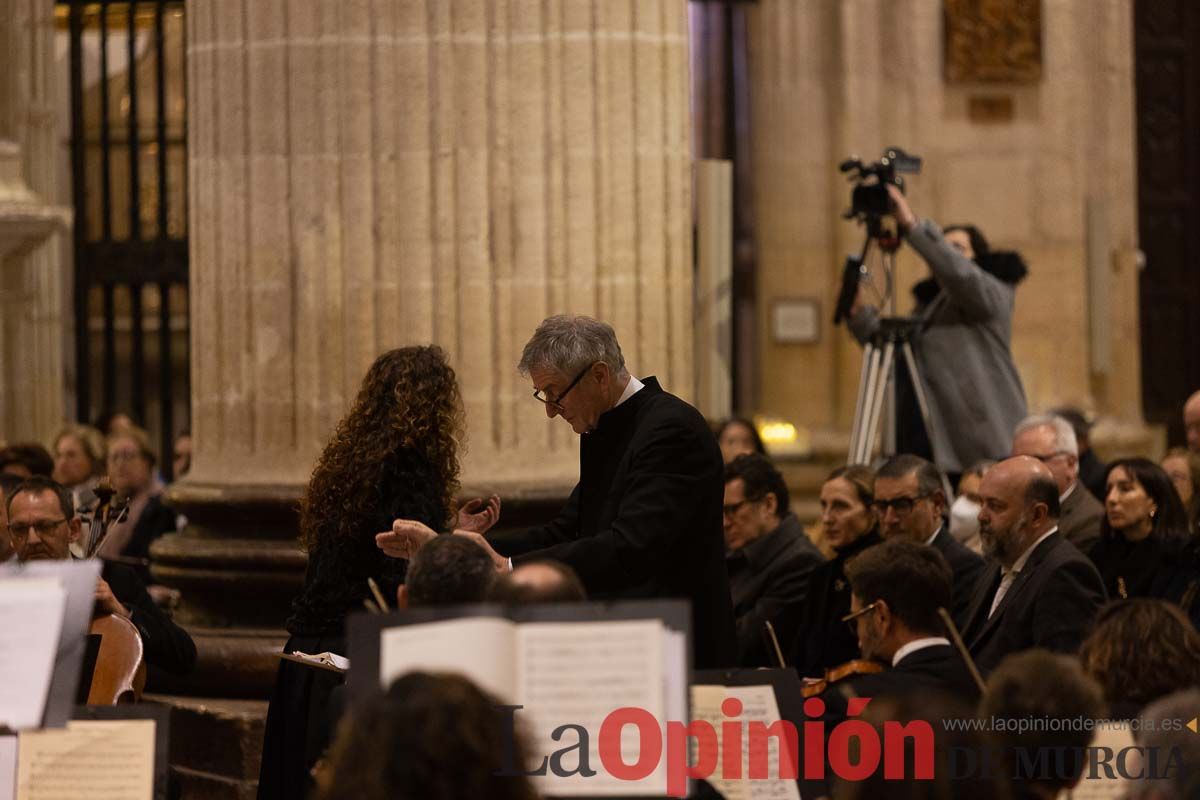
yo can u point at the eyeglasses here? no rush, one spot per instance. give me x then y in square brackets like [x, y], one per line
[852, 618]
[556, 403]
[901, 505]
[20, 530]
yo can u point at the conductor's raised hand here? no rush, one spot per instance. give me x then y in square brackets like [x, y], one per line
[479, 515]
[406, 537]
[499, 561]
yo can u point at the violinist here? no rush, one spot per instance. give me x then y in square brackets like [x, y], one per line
[896, 589]
[42, 524]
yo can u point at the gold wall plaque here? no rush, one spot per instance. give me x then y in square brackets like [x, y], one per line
[994, 41]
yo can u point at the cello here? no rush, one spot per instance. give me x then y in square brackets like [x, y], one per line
[120, 673]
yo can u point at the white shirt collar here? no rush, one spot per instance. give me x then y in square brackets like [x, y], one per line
[1019, 564]
[633, 387]
[918, 644]
[929, 541]
[1062, 498]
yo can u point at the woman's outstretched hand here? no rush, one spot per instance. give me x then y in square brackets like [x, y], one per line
[406, 537]
[479, 515]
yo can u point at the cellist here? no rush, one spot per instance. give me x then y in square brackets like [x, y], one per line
[43, 524]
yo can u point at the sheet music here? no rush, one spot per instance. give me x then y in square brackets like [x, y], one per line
[758, 705]
[481, 648]
[577, 673]
[99, 760]
[31, 616]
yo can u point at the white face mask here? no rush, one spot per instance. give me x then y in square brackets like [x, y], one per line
[964, 518]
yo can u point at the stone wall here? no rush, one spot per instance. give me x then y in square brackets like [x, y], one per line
[832, 79]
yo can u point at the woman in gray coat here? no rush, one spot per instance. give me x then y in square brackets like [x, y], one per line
[963, 350]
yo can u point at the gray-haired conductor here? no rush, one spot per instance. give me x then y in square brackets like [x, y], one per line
[645, 519]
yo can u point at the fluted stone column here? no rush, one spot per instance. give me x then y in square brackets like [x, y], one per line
[370, 175]
[32, 227]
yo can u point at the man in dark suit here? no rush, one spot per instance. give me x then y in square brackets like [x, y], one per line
[43, 525]
[911, 502]
[644, 521]
[1052, 441]
[1042, 592]
[768, 555]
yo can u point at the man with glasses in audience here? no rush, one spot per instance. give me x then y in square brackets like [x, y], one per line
[644, 521]
[911, 504]
[43, 524]
[1052, 441]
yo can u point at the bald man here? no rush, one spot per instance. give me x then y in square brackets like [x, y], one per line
[537, 582]
[1191, 422]
[1041, 591]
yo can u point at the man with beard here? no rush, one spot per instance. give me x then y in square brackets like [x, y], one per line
[1042, 592]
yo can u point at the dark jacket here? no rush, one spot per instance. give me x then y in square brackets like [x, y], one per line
[1148, 568]
[766, 577]
[1051, 604]
[156, 519]
[167, 645]
[819, 639]
[967, 565]
[645, 519]
[1079, 518]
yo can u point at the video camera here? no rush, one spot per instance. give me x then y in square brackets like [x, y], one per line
[869, 200]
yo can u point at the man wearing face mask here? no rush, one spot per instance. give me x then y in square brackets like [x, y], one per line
[964, 511]
[910, 501]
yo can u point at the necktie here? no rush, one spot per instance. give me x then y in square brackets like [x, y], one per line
[1006, 581]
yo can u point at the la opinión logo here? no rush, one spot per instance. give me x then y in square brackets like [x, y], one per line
[731, 749]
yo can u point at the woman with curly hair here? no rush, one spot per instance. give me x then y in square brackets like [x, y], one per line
[1141, 650]
[394, 455]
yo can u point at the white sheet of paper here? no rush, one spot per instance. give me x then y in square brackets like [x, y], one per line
[578, 673]
[8, 767]
[96, 759]
[453, 646]
[31, 616]
[758, 705]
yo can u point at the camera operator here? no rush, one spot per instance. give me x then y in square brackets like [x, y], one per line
[963, 347]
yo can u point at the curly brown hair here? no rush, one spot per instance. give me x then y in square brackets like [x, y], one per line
[409, 401]
[1140, 650]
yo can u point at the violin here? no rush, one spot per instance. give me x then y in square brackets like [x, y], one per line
[120, 674]
[859, 666]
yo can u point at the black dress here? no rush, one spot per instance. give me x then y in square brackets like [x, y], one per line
[298, 728]
[1147, 568]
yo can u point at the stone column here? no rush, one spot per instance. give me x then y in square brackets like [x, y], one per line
[32, 273]
[369, 175]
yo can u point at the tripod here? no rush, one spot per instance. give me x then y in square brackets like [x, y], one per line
[877, 384]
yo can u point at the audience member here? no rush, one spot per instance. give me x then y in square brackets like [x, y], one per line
[1191, 422]
[1051, 440]
[1091, 468]
[737, 436]
[42, 521]
[1141, 650]
[26, 460]
[1183, 468]
[1039, 703]
[394, 455]
[7, 484]
[450, 570]
[79, 460]
[1041, 592]
[430, 737]
[1144, 532]
[813, 634]
[768, 555]
[181, 463]
[964, 512]
[896, 589]
[910, 502]
[1159, 731]
[111, 422]
[131, 471]
[536, 583]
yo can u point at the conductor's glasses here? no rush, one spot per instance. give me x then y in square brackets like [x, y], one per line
[556, 403]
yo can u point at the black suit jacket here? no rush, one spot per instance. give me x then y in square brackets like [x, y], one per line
[167, 645]
[645, 519]
[967, 565]
[766, 577]
[1051, 604]
[1079, 518]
